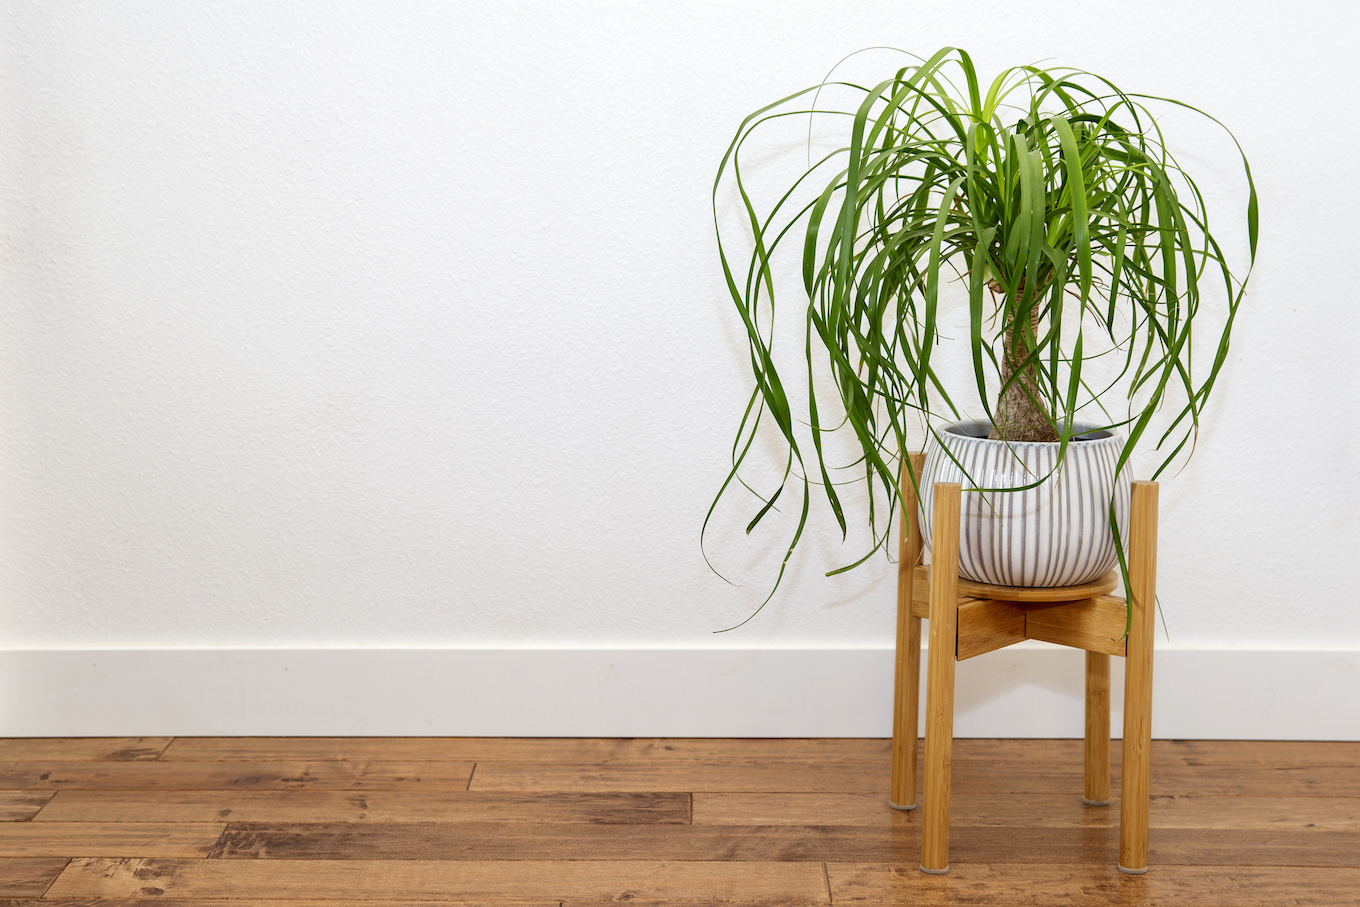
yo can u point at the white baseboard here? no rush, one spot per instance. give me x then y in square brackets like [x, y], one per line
[1031, 690]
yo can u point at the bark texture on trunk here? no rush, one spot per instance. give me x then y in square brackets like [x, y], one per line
[1020, 414]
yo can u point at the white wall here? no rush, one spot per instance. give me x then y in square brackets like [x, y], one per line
[390, 325]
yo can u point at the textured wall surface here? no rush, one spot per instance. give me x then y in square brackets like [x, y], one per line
[397, 324]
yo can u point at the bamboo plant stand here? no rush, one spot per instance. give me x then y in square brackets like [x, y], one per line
[968, 619]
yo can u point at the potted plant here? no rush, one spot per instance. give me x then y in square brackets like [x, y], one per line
[1087, 256]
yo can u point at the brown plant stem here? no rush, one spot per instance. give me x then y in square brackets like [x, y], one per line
[1020, 414]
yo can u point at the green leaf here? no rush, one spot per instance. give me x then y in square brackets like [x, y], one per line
[1051, 184]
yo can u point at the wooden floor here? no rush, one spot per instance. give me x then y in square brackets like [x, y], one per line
[277, 821]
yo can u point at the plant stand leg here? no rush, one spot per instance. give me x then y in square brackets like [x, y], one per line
[1097, 729]
[907, 688]
[944, 615]
[1137, 775]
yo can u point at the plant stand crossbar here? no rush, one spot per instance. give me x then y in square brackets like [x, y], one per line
[968, 619]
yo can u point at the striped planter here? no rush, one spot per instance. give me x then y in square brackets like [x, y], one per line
[1057, 534]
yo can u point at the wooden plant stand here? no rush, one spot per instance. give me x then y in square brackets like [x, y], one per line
[968, 619]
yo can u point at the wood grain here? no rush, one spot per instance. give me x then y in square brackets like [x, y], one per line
[378, 806]
[1051, 772]
[985, 626]
[1081, 885]
[1093, 624]
[920, 595]
[1055, 810]
[236, 775]
[108, 839]
[1284, 780]
[21, 805]
[1061, 774]
[782, 843]
[944, 612]
[966, 808]
[517, 749]
[1098, 586]
[906, 713]
[82, 749]
[907, 651]
[1012, 777]
[1304, 813]
[689, 776]
[1097, 739]
[1267, 754]
[524, 841]
[155, 901]
[453, 880]
[1170, 846]
[1270, 754]
[22, 877]
[1254, 847]
[971, 589]
[1136, 772]
[733, 898]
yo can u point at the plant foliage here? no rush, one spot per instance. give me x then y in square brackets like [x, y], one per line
[1051, 194]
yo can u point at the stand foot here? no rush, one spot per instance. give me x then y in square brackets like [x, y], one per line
[1133, 872]
[940, 872]
[909, 806]
[1095, 802]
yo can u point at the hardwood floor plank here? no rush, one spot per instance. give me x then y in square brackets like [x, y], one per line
[1254, 847]
[1169, 777]
[989, 749]
[671, 774]
[733, 898]
[1044, 810]
[489, 841]
[1265, 753]
[264, 902]
[423, 749]
[1167, 847]
[1092, 886]
[82, 749]
[113, 839]
[235, 775]
[681, 776]
[23, 877]
[790, 777]
[519, 749]
[21, 805]
[377, 806]
[1334, 814]
[1284, 780]
[855, 809]
[451, 880]
[554, 749]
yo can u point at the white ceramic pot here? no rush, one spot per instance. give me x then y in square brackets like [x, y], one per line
[1056, 534]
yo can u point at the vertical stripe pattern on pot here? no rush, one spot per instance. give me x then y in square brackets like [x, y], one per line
[1055, 534]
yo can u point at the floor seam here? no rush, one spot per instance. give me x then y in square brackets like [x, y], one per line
[55, 877]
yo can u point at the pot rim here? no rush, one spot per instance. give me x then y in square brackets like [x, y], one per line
[977, 430]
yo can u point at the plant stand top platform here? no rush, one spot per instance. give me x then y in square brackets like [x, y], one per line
[1100, 586]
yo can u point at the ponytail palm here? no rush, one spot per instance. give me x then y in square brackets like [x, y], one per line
[1049, 194]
